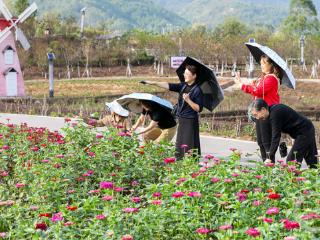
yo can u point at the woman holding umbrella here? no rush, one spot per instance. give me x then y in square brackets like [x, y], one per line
[266, 88]
[162, 126]
[190, 103]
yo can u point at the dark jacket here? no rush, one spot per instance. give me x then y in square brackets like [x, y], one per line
[196, 95]
[285, 119]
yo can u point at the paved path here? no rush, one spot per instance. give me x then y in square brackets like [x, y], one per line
[217, 146]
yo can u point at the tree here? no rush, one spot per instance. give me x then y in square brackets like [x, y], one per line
[302, 18]
[20, 5]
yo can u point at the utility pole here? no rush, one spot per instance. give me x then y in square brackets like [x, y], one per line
[302, 60]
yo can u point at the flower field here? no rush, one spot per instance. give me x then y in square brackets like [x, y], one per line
[86, 185]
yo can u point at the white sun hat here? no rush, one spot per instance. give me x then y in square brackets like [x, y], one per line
[117, 108]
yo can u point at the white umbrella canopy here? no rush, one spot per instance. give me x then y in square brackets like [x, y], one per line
[131, 101]
[258, 50]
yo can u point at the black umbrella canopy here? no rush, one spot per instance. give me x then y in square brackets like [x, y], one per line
[207, 80]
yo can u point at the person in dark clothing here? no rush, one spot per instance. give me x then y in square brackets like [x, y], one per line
[190, 103]
[284, 119]
[162, 125]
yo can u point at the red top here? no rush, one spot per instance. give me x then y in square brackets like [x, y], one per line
[266, 88]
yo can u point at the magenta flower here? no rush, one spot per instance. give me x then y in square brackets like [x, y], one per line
[259, 176]
[107, 198]
[20, 185]
[106, 185]
[178, 194]
[57, 217]
[268, 220]
[273, 211]
[194, 194]
[253, 232]
[100, 217]
[136, 199]
[156, 202]
[228, 180]
[130, 210]
[99, 135]
[215, 180]
[5, 147]
[118, 189]
[203, 230]
[127, 237]
[157, 194]
[289, 225]
[225, 227]
[169, 160]
[241, 196]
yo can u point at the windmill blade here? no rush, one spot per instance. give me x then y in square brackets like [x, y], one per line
[5, 11]
[22, 39]
[26, 13]
[4, 34]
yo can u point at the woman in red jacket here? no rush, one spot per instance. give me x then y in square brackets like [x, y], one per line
[266, 88]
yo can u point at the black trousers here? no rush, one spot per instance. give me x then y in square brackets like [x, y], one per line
[305, 147]
[264, 135]
[187, 134]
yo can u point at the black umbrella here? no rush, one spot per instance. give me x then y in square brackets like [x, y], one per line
[207, 81]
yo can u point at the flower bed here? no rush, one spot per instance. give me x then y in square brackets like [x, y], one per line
[106, 186]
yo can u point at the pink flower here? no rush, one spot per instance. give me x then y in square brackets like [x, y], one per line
[100, 217]
[156, 202]
[118, 189]
[127, 237]
[20, 185]
[290, 238]
[157, 194]
[215, 180]
[67, 224]
[310, 216]
[202, 169]
[106, 185]
[45, 160]
[34, 208]
[59, 156]
[228, 180]
[35, 149]
[3, 234]
[241, 196]
[136, 199]
[257, 189]
[70, 191]
[235, 174]
[273, 211]
[178, 194]
[181, 180]
[4, 174]
[225, 227]
[257, 203]
[130, 210]
[99, 135]
[134, 183]
[107, 198]
[269, 164]
[169, 160]
[194, 194]
[268, 220]
[94, 191]
[203, 230]
[208, 156]
[259, 176]
[57, 217]
[289, 225]
[253, 232]
[5, 147]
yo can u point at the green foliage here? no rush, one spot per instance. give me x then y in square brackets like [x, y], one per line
[302, 18]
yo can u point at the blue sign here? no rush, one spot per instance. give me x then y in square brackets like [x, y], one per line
[51, 56]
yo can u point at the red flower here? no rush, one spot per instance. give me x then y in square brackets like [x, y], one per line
[42, 226]
[274, 196]
[253, 232]
[45, 215]
[72, 208]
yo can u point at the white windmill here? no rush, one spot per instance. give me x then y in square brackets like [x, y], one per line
[11, 79]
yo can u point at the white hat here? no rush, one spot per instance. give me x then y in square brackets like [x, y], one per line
[117, 108]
